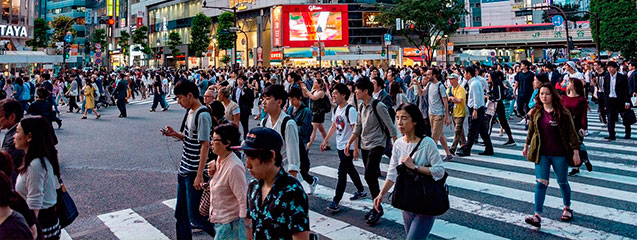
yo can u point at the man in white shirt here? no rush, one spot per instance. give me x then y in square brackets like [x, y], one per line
[617, 98]
[476, 105]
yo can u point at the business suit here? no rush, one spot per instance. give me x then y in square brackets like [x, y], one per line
[244, 97]
[632, 83]
[120, 94]
[555, 77]
[616, 101]
[8, 144]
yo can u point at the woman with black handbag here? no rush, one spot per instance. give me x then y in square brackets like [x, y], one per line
[419, 154]
[39, 173]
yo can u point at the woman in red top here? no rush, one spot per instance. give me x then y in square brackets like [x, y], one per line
[576, 103]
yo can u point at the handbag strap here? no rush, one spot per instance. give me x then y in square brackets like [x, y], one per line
[415, 148]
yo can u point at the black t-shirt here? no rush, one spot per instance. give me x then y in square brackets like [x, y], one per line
[15, 228]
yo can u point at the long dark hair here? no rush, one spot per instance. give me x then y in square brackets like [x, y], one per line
[42, 143]
[578, 87]
[416, 116]
[556, 101]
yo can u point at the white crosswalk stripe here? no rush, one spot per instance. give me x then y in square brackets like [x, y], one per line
[483, 187]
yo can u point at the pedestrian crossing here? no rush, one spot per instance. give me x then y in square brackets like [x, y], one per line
[149, 100]
[489, 196]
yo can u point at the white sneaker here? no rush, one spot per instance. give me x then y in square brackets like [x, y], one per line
[523, 121]
[313, 186]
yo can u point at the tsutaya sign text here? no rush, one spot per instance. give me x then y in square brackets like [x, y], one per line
[13, 31]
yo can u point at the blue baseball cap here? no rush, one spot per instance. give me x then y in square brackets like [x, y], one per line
[261, 138]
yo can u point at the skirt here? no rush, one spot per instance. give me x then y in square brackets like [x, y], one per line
[50, 223]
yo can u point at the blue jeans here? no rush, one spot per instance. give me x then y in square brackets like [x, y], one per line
[187, 208]
[163, 99]
[417, 226]
[542, 171]
[233, 230]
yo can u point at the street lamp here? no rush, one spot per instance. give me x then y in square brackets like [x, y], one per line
[66, 45]
[319, 30]
[235, 30]
[234, 12]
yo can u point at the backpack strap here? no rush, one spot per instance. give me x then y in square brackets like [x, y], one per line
[347, 113]
[380, 121]
[284, 123]
[183, 122]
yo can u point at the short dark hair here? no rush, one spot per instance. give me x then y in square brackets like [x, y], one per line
[277, 92]
[217, 109]
[612, 64]
[42, 93]
[633, 63]
[229, 134]
[6, 193]
[526, 62]
[342, 89]
[295, 76]
[242, 77]
[6, 163]
[470, 70]
[364, 84]
[379, 81]
[265, 155]
[185, 87]
[295, 92]
[543, 78]
[9, 106]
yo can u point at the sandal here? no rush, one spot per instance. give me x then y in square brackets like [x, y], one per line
[565, 217]
[535, 221]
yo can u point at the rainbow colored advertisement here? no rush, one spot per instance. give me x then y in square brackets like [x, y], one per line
[303, 26]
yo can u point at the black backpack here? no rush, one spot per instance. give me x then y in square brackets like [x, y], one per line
[346, 112]
[211, 155]
[31, 90]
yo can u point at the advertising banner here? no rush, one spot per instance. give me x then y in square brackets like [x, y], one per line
[303, 25]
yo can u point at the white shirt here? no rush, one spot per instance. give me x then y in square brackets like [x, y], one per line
[476, 96]
[613, 81]
[290, 148]
[426, 155]
[344, 125]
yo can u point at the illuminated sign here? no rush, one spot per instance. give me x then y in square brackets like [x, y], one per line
[116, 7]
[276, 56]
[109, 8]
[277, 39]
[234, 3]
[13, 31]
[415, 52]
[304, 25]
[370, 19]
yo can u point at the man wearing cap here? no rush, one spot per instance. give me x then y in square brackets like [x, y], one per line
[617, 98]
[457, 95]
[277, 203]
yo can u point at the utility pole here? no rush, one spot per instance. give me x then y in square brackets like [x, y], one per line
[234, 12]
[66, 45]
[568, 38]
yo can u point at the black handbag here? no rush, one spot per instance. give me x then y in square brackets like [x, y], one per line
[65, 206]
[419, 193]
[628, 117]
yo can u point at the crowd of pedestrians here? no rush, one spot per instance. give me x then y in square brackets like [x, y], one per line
[397, 112]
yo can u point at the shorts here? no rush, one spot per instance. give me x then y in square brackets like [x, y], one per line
[436, 126]
[318, 117]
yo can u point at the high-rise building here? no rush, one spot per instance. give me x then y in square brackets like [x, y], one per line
[16, 23]
[69, 8]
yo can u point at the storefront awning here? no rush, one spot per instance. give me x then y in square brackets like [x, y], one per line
[307, 52]
[32, 57]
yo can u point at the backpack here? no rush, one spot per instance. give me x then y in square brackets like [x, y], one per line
[31, 90]
[211, 155]
[508, 91]
[385, 129]
[346, 112]
[304, 158]
[321, 106]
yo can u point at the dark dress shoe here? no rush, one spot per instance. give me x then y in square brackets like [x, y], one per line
[486, 153]
[573, 172]
[609, 138]
[589, 166]
[462, 153]
[374, 218]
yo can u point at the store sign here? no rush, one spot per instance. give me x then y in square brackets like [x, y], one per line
[109, 7]
[277, 39]
[234, 3]
[370, 19]
[414, 52]
[13, 31]
[276, 56]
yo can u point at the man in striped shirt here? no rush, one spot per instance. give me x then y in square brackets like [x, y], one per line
[195, 134]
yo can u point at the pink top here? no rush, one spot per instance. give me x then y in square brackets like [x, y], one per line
[228, 190]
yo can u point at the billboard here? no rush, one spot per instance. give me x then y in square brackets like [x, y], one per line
[301, 22]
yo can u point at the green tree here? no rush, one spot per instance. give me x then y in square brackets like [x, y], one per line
[124, 44]
[141, 40]
[569, 10]
[99, 36]
[40, 37]
[225, 59]
[432, 20]
[199, 34]
[174, 40]
[618, 25]
[60, 28]
[225, 39]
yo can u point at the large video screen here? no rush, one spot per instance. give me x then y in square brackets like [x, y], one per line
[303, 26]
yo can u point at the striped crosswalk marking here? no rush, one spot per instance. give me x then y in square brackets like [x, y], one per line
[128, 225]
[507, 216]
[65, 235]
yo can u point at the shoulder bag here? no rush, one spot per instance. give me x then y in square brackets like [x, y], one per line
[419, 193]
[65, 206]
[204, 204]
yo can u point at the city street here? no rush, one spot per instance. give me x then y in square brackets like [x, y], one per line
[122, 174]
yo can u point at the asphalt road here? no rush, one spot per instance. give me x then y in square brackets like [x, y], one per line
[114, 165]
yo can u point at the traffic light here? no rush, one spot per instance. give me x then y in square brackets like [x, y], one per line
[571, 45]
[66, 53]
[250, 53]
[111, 22]
[382, 54]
